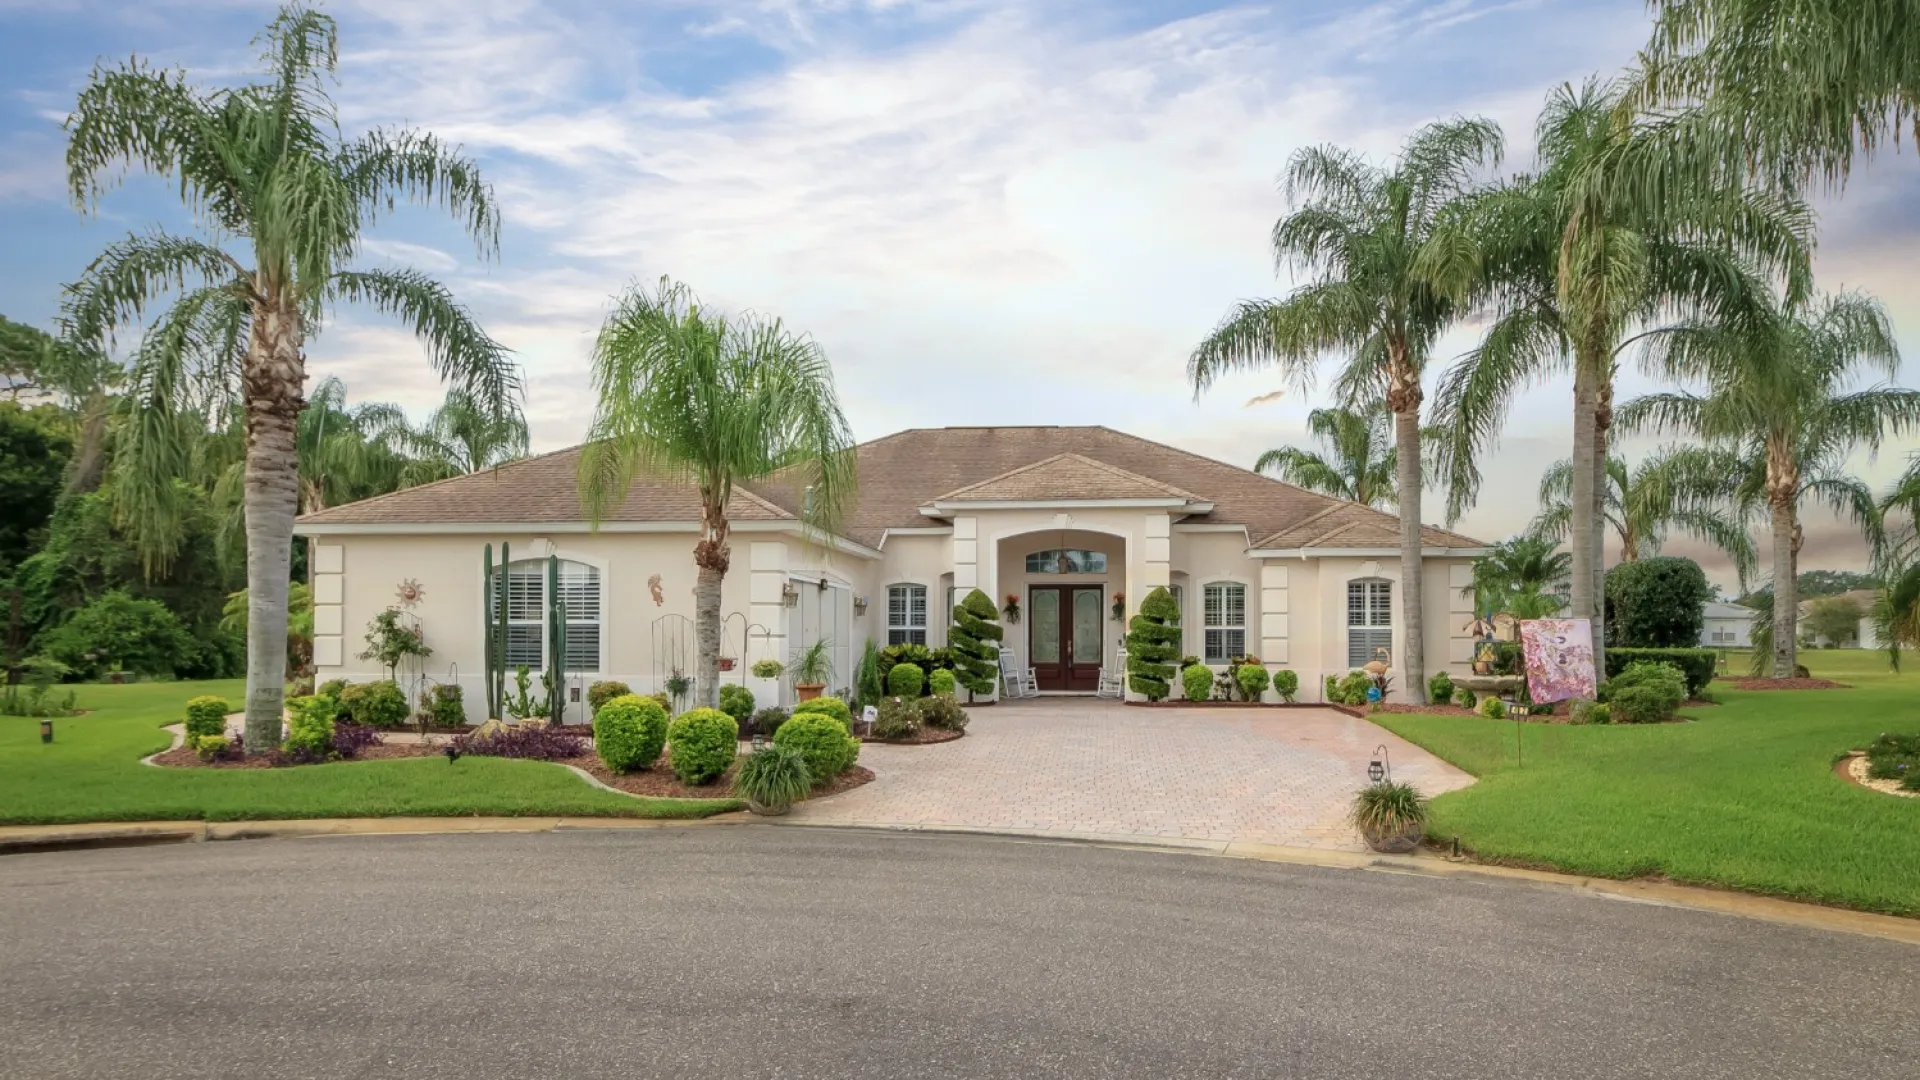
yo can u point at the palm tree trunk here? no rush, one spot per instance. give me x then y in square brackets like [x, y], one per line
[1785, 589]
[272, 385]
[1602, 422]
[1403, 398]
[1585, 502]
[711, 556]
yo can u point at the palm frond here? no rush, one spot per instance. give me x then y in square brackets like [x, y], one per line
[461, 352]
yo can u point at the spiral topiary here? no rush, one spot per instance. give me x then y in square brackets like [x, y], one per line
[975, 640]
[1153, 644]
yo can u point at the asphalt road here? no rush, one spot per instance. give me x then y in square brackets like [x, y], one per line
[760, 952]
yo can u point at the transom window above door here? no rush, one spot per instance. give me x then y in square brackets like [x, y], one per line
[1067, 561]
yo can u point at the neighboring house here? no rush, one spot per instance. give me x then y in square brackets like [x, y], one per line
[1065, 520]
[1864, 636]
[1727, 626]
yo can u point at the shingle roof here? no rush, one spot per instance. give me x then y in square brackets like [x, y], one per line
[537, 490]
[901, 473]
[1066, 476]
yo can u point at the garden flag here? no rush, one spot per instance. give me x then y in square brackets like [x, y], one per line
[1559, 655]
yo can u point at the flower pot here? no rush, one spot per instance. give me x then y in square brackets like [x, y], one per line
[726, 663]
[1402, 842]
[764, 810]
[809, 690]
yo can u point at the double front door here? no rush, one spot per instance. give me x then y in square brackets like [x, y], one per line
[1066, 636]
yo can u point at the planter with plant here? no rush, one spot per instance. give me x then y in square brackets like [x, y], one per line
[1391, 817]
[768, 669]
[772, 779]
[812, 668]
[1011, 610]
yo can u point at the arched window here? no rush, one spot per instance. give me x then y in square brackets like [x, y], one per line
[527, 610]
[1067, 561]
[1369, 620]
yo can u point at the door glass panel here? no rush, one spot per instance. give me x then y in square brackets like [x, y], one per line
[1087, 618]
[1044, 628]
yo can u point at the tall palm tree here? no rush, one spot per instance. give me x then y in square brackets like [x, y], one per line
[689, 395]
[461, 436]
[264, 167]
[1359, 463]
[1777, 394]
[1388, 259]
[1691, 489]
[1582, 266]
[1524, 576]
[1791, 90]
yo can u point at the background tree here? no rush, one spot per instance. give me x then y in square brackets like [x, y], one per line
[1388, 259]
[1359, 463]
[692, 396]
[461, 436]
[1583, 264]
[1777, 395]
[35, 447]
[1657, 603]
[1523, 576]
[1835, 620]
[1689, 489]
[262, 164]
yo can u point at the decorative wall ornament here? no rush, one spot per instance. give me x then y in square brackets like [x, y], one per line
[659, 594]
[410, 592]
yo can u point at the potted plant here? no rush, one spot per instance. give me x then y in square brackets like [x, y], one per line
[767, 669]
[1391, 817]
[1011, 610]
[812, 668]
[678, 684]
[772, 779]
[1119, 606]
[726, 663]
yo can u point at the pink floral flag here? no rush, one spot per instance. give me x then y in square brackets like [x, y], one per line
[1559, 655]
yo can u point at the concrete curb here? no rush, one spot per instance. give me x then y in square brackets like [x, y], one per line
[18, 839]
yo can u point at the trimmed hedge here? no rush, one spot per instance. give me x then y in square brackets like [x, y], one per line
[1647, 692]
[828, 705]
[701, 744]
[823, 740]
[1656, 603]
[942, 683]
[207, 715]
[1695, 665]
[1153, 644]
[1197, 681]
[906, 680]
[629, 732]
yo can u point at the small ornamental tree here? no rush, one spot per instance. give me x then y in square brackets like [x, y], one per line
[1656, 603]
[975, 641]
[1153, 644]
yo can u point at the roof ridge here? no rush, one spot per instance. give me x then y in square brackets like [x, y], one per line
[1131, 475]
[397, 492]
[765, 503]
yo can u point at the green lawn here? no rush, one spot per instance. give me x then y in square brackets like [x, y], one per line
[1744, 797]
[92, 772]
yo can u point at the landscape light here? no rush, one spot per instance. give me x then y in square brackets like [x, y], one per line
[46, 729]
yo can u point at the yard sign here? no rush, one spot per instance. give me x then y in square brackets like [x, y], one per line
[1559, 655]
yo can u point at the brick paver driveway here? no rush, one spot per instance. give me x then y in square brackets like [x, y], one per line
[1097, 768]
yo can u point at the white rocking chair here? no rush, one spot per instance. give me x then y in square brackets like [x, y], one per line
[1113, 682]
[1016, 682]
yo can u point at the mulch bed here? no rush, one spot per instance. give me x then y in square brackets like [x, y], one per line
[923, 737]
[658, 781]
[1788, 684]
[180, 757]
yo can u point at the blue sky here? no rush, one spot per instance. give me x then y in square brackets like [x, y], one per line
[987, 211]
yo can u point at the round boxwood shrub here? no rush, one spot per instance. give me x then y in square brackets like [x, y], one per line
[1647, 692]
[207, 715]
[906, 680]
[942, 682]
[1286, 683]
[377, 704]
[629, 732]
[701, 744]
[737, 702]
[1493, 708]
[1253, 680]
[828, 705]
[1197, 680]
[825, 742]
[604, 691]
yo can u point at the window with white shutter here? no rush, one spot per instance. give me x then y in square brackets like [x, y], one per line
[906, 614]
[527, 610]
[1369, 620]
[1225, 620]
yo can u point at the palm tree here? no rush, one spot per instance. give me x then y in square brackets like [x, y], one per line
[1524, 576]
[1582, 266]
[1786, 90]
[1776, 395]
[462, 436]
[1691, 489]
[264, 166]
[1359, 464]
[1389, 261]
[689, 395]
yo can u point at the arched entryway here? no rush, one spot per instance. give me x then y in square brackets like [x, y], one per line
[1066, 582]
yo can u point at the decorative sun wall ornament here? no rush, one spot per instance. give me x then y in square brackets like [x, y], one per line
[410, 592]
[659, 596]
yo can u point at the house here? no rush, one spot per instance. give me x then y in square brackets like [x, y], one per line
[1071, 526]
[1727, 626]
[1865, 636]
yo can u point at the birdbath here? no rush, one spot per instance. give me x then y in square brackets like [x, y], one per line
[1497, 685]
